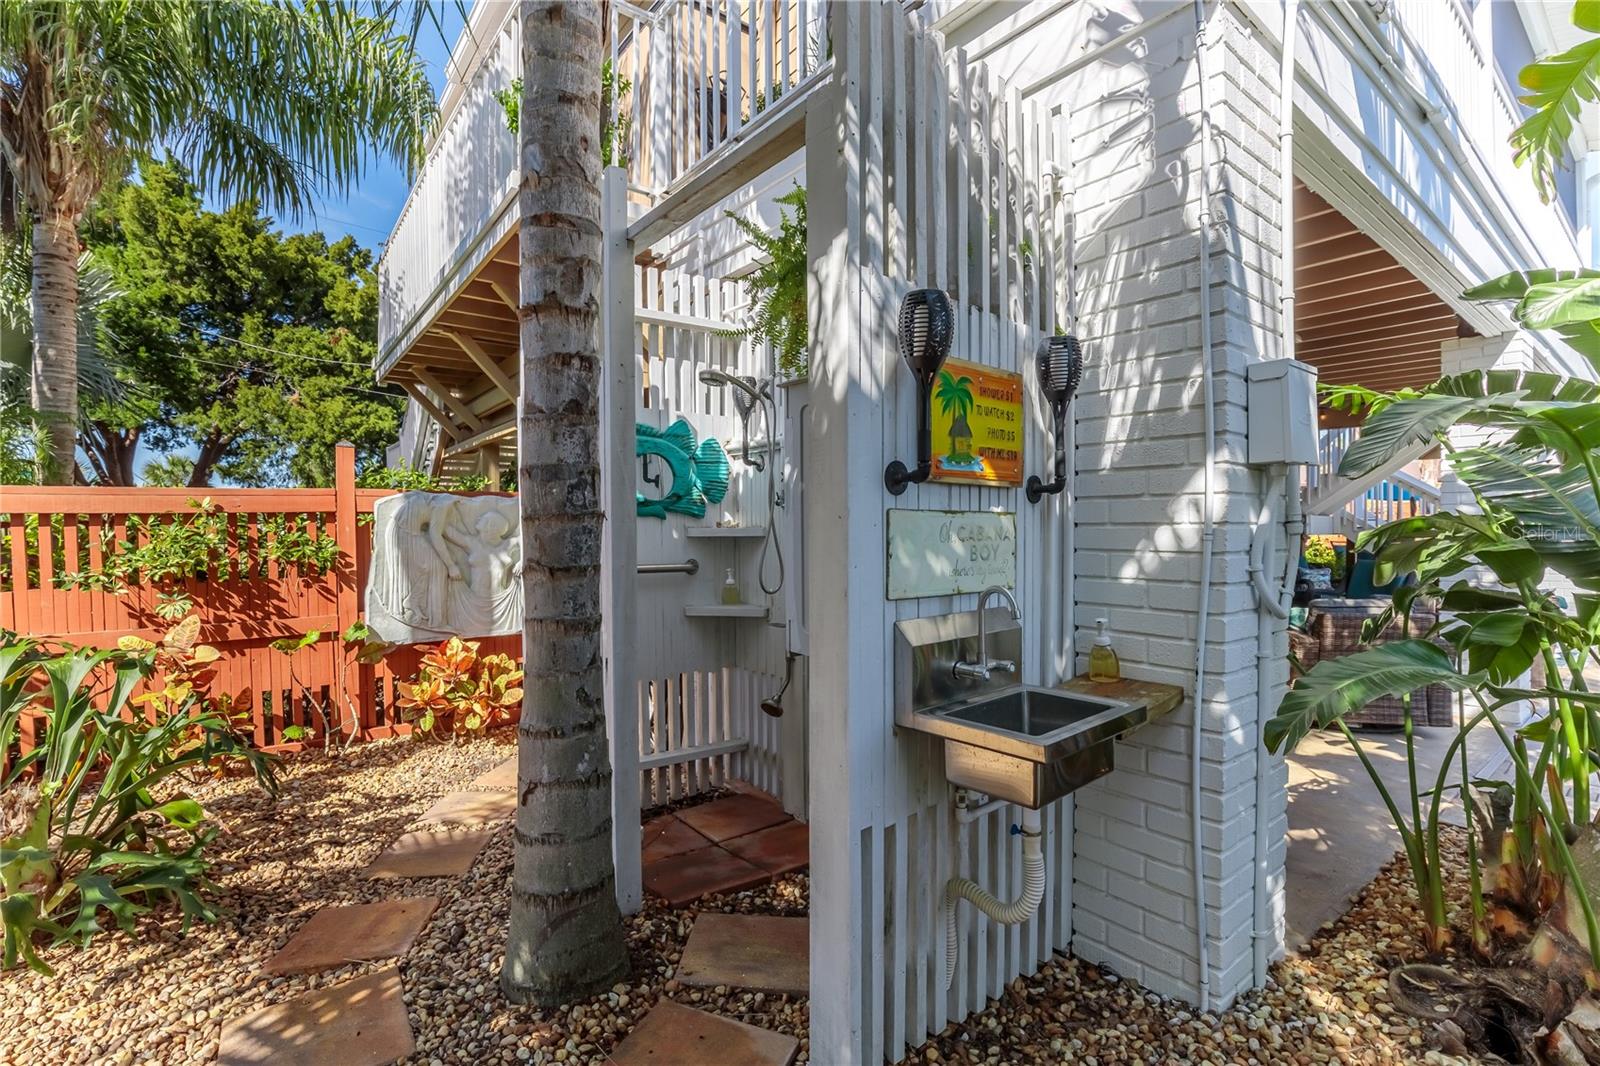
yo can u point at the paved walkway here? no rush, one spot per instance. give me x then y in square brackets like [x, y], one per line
[1340, 833]
[725, 845]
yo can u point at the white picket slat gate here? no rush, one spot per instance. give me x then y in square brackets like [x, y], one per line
[922, 171]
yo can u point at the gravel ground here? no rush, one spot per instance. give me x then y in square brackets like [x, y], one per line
[1329, 1004]
[164, 997]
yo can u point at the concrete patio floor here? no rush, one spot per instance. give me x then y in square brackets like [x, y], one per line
[1340, 832]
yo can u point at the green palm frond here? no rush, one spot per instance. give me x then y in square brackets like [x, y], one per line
[1557, 88]
[97, 364]
[1337, 687]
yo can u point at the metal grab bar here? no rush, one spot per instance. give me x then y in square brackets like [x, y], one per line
[688, 566]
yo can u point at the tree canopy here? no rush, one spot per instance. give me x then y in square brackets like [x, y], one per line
[248, 346]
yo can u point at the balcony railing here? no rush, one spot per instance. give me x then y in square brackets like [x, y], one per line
[688, 78]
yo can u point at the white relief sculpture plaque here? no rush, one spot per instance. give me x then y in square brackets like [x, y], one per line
[444, 566]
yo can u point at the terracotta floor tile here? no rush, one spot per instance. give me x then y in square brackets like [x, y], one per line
[755, 951]
[675, 1035]
[666, 836]
[732, 816]
[781, 849]
[685, 878]
[421, 854]
[471, 808]
[502, 778]
[357, 1023]
[336, 935]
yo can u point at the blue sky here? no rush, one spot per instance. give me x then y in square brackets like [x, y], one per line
[369, 211]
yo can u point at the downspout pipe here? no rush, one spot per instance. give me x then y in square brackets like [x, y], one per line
[1207, 520]
[1272, 604]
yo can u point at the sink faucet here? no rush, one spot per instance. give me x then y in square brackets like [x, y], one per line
[980, 670]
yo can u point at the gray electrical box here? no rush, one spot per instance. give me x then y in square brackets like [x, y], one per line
[1283, 412]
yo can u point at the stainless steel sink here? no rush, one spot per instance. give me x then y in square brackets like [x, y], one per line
[1028, 745]
[1016, 742]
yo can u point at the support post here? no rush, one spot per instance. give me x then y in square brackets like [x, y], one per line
[620, 535]
[347, 691]
[844, 746]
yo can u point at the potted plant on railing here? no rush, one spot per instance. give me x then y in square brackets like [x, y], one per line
[1533, 841]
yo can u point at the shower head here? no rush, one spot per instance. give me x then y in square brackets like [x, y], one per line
[1060, 364]
[773, 705]
[746, 392]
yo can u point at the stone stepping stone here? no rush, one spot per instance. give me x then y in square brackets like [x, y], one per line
[732, 816]
[337, 935]
[666, 836]
[754, 951]
[502, 778]
[471, 808]
[782, 849]
[355, 1023]
[675, 1035]
[424, 854]
[685, 878]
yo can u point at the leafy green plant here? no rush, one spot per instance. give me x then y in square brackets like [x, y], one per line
[1558, 86]
[1537, 494]
[357, 647]
[406, 478]
[176, 548]
[613, 135]
[1319, 551]
[458, 691]
[91, 820]
[777, 287]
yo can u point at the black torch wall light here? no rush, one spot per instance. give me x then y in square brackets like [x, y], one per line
[927, 326]
[1060, 366]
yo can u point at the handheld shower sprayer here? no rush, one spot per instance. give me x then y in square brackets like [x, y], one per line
[1060, 367]
[927, 327]
[748, 394]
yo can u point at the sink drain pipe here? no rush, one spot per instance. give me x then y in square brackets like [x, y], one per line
[1016, 912]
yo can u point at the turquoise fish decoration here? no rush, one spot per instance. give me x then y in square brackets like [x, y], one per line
[699, 471]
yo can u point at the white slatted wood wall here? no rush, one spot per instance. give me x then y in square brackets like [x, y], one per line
[699, 680]
[707, 69]
[922, 172]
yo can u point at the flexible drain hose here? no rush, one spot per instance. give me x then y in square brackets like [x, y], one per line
[1016, 912]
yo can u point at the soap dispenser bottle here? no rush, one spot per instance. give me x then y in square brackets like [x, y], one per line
[1103, 663]
[730, 588]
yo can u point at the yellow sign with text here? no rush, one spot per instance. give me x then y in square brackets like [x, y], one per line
[977, 424]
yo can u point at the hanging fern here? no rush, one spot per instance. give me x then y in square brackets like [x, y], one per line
[777, 288]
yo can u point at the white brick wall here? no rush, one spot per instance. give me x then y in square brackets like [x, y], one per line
[1139, 486]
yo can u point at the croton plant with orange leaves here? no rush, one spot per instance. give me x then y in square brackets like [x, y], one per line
[458, 691]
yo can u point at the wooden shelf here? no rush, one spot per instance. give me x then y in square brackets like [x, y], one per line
[725, 610]
[726, 532]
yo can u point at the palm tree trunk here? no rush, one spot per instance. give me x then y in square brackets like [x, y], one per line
[566, 939]
[54, 393]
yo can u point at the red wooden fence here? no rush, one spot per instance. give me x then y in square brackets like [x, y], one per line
[245, 600]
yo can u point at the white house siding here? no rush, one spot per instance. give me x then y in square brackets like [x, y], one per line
[1134, 177]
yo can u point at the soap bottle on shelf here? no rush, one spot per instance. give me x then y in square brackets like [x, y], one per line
[1103, 663]
[730, 588]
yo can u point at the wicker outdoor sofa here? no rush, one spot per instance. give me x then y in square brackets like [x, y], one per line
[1333, 629]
